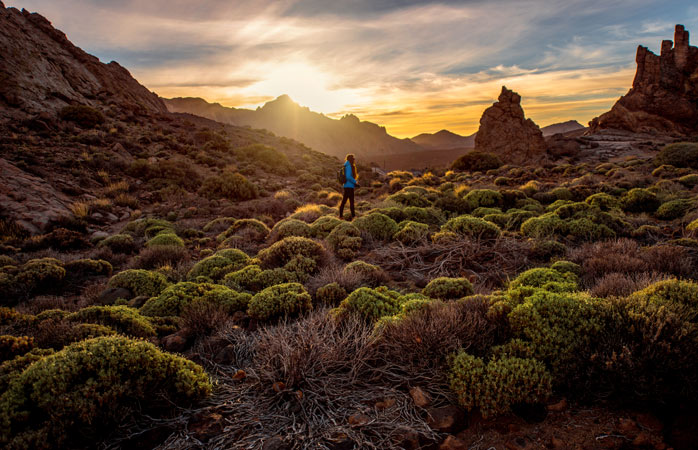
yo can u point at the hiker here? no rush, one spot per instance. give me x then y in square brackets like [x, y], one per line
[350, 184]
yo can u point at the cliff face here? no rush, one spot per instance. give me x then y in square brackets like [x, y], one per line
[505, 131]
[41, 71]
[664, 96]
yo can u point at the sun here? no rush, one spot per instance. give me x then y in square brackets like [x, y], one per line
[306, 85]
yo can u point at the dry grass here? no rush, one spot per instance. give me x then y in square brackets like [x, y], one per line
[161, 255]
[202, 319]
[620, 284]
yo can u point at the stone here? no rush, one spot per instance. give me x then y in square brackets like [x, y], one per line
[664, 94]
[175, 342]
[137, 302]
[206, 425]
[419, 397]
[446, 419]
[110, 295]
[505, 131]
[385, 404]
[275, 443]
[226, 355]
[358, 420]
[453, 443]
[559, 406]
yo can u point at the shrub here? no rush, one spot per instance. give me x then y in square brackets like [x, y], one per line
[165, 239]
[257, 230]
[689, 180]
[670, 291]
[370, 304]
[674, 209]
[82, 115]
[161, 256]
[89, 387]
[445, 288]
[559, 326]
[407, 198]
[411, 232]
[322, 226]
[541, 276]
[310, 212]
[483, 197]
[586, 229]
[445, 238]
[567, 267]
[290, 227]
[498, 385]
[603, 201]
[473, 227]
[379, 226]
[151, 226]
[288, 250]
[121, 318]
[11, 346]
[368, 273]
[173, 300]
[345, 240]
[219, 224]
[232, 186]
[12, 368]
[545, 226]
[282, 300]
[330, 294]
[477, 161]
[639, 200]
[682, 154]
[218, 265]
[139, 282]
[81, 268]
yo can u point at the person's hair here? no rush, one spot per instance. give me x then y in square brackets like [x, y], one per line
[354, 172]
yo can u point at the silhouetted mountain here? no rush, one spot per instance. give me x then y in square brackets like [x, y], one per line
[42, 71]
[444, 140]
[286, 118]
[563, 127]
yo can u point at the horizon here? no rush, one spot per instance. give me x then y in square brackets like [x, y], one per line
[413, 67]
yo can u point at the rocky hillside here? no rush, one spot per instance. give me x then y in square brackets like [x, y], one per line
[286, 118]
[664, 96]
[42, 71]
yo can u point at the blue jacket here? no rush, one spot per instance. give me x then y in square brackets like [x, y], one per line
[351, 181]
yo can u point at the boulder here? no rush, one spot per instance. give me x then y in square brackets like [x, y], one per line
[664, 95]
[505, 131]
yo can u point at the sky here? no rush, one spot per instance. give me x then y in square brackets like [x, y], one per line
[411, 66]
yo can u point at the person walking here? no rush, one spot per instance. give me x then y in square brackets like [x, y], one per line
[350, 184]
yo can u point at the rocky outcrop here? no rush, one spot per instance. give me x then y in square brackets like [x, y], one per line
[42, 71]
[505, 131]
[664, 96]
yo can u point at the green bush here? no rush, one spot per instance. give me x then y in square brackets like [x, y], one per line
[88, 268]
[503, 382]
[121, 318]
[567, 267]
[216, 266]
[639, 200]
[478, 198]
[176, 298]
[119, 243]
[473, 227]
[585, 229]
[682, 154]
[288, 249]
[82, 115]
[690, 180]
[291, 227]
[232, 186]
[139, 227]
[475, 161]
[11, 346]
[411, 232]
[409, 199]
[12, 368]
[368, 273]
[72, 397]
[165, 239]
[139, 282]
[256, 229]
[540, 277]
[218, 224]
[40, 274]
[445, 288]
[322, 226]
[282, 300]
[545, 226]
[670, 291]
[377, 225]
[370, 304]
[345, 240]
[330, 294]
[603, 201]
[674, 209]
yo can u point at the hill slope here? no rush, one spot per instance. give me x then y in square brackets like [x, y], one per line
[444, 140]
[286, 118]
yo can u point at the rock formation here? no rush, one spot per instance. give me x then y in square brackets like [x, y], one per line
[42, 71]
[664, 96]
[505, 131]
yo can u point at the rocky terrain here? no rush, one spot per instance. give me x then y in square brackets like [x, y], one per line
[664, 95]
[169, 281]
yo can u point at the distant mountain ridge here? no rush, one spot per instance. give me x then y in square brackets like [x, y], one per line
[444, 140]
[286, 118]
[563, 127]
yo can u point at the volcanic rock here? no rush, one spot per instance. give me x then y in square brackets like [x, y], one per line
[505, 131]
[664, 96]
[42, 71]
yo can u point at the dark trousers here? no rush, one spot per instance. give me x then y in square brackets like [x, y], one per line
[348, 194]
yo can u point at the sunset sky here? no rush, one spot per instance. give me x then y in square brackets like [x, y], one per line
[412, 66]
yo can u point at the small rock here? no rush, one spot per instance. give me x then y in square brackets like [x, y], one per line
[174, 342]
[559, 406]
[453, 443]
[97, 216]
[110, 295]
[447, 419]
[111, 217]
[139, 301]
[275, 443]
[239, 375]
[98, 235]
[226, 355]
[419, 397]
[278, 386]
[385, 404]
